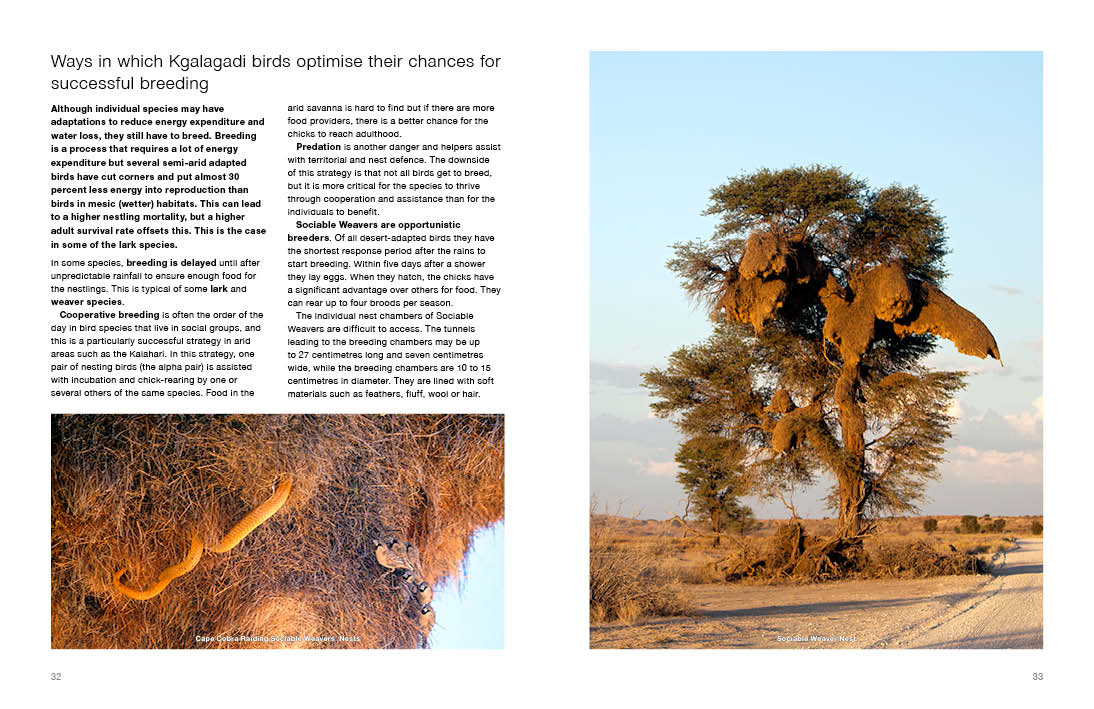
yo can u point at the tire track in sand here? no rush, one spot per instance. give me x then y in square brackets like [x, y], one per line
[1004, 613]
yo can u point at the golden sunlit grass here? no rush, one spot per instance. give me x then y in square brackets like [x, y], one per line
[128, 490]
[627, 582]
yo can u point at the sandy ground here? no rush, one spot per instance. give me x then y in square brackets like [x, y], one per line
[1002, 610]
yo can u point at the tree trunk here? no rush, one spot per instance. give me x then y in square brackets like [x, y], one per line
[851, 475]
[715, 520]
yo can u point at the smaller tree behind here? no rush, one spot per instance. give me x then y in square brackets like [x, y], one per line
[930, 525]
[713, 478]
[969, 524]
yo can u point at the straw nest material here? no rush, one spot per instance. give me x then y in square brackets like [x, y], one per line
[129, 491]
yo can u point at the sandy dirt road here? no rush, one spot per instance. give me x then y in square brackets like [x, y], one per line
[1003, 610]
[1005, 613]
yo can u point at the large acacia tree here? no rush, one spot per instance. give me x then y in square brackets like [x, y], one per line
[827, 294]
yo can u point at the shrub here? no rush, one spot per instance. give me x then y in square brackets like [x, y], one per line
[917, 560]
[1036, 527]
[969, 524]
[930, 525]
[998, 525]
[627, 584]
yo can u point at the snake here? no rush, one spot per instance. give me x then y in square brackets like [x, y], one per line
[169, 574]
[234, 536]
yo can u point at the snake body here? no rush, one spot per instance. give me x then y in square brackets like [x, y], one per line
[234, 536]
[256, 517]
[169, 574]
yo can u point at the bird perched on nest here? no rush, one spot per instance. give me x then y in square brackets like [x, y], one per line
[412, 556]
[398, 547]
[406, 593]
[391, 557]
[426, 619]
[425, 593]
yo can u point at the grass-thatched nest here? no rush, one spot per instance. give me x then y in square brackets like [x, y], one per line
[129, 490]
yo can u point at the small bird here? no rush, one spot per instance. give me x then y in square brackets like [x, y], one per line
[397, 547]
[390, 558]
[426, 619]
[412, 556]
[425, 593]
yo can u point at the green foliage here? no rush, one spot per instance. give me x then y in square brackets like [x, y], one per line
[998, 525]
[718, 389]
[969, 524]
[1036, 527]
[930, 525]
[723, 386]
[713, 476]
[726, 386]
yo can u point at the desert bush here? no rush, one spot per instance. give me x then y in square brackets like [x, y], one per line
[917, 560]
[998, 525]
[626, 584]
[930, 525]
[969, 525]
[1036, 527]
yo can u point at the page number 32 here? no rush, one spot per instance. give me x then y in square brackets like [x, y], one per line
[55, 675]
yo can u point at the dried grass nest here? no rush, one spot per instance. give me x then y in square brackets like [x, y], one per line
[127, 488]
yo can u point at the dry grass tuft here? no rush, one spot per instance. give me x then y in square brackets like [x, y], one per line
[626, 583]
[127, 490]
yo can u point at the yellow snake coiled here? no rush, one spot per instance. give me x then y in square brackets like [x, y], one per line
[245, 526]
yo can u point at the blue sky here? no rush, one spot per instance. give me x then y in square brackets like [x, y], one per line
[964, 127]
[471, 612]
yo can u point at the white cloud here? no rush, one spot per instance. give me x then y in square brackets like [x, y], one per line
[655, 468]
[997, 467]
[1029, 424]
[960, 413]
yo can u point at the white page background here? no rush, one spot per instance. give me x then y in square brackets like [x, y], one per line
[542, 224]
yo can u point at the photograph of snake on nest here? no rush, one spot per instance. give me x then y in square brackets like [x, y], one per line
[277, 531]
